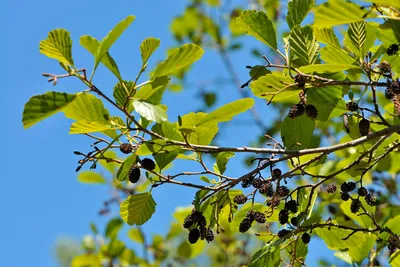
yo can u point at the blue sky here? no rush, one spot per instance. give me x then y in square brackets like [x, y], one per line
[40, 197]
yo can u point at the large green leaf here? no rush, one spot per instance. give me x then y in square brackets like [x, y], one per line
[149, 111]
[327, 68]
[195, 134]
[360, 37]
[111, 37]
[40, 107]
[91, 177]
[297, 11]
[147, 48]
[257, 24]
[125, 167]
[334, 55]
[269, 255]
[180, 58]
[228, 111]
[92, 44]
[296, 133]
[337, 12]
[90, 115]
[393, 3]
[163, 159]
[304, 45]
[153, 91]
[389, 32]
[58, 45]
[326, 36]
[222, 160]
[274, 85]
[138, 209]
[328, 101]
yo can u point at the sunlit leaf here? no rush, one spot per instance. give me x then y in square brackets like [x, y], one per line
[91, 177]
[296, 133]
[297, 11]
[147, 48]
[58, 45]
[138, 209]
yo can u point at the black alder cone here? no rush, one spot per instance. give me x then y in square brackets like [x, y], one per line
[245, 225]
[126, 148]
[276, 173]
[395, 87]
[291, 205]
[389, 93]
[352, 106]
[194, 236]
[363, 126]
[385, 67]
[282, 191]
[295, 111]
[331, 188]
[348, 186]
[209, 235]
[148, 164]
[392, 49]
[370, 199]
[362, 191]
[283, 216]
[306, 238]
[311, 111]
[258, 183]
[283, 233]
[259, 217]
[294, 221]
[355, 205]
[188, 222]
[267, 189]
[345, 196]
[240, 199]
[300, 80]
[134, 175]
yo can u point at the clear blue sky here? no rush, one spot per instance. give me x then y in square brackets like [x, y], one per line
[40, 198]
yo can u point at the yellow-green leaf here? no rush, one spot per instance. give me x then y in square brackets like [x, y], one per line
[58, 45]
[147, 48]
[91, 177]
[136, 235]
[138, 209]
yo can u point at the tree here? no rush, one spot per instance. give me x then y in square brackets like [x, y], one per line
[324, 167]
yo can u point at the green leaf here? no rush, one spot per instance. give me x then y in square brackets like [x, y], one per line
[327, 68]
[86, 260]
[327, 36]
[389, 32]
[113, 227]
[333, 55]
[91, 177]
[92, 44]
[328, 101]
[153, 91]
[58, 45]
[120, 93]
[147, 48]
[190, 251]
[394, 225]
[125, 167]
[110, 166]
[138, 209]
[296, 133]
[227, 111]
[163, 159]
[90, 115]
[111, 37]
[304, 198]
[393, 3]
[269, 255]
[136, 235]
[337, 12]
[40, 107]
[149, 111]
[195, 134]
[258, 71]
[360, 37]
[394, 260]
[273, 86]
[297, 11]
[180, 58]
[304, 44]
[364, 221]
[257, 24]
[222, 160]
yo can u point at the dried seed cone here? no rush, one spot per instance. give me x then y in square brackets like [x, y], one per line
[283, 233]
[134, 175]
[352, 106]
[311, 111]
[194, 236]
[126, 148]
[148, 164]
[306, 238]
[392, 49]
[355, 205]
[385, 67]
[296, 111]
[331, 188]
[240, 199]
[363, 127]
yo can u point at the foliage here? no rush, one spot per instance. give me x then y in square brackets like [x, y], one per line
[326, 163]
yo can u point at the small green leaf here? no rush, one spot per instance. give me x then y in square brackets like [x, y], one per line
[92, 44]
[304, 44]
[258, 71]
[257, 24]
[111, 37]
[296, 133]
[58, 45]
[163, 159]
[120, 93]
[111, 165]
[228, 111]
[86, 260]
[125, 167]
[393, 3]
[136, 235]
[195, 134]
[222, 160]
[297, 11]
[328, 101]
[360, 37]
[91, 177]
[205, 179]
[153, 91]
[113, 227]
[147, 48]
[149, 111]
[180, 58]
[269, 255]
[337, 12]
[327, 36]
[138, 209]
[40, 107]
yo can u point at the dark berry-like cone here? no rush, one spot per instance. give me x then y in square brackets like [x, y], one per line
[345, 196]
[385, 67]
[134, 175]
[282, 191]
[188, 222]
[300, 80]
[257, 183]
[259, 217]
[355, 205]
[194, 236]
[363, 127]
[126, 148]
[362, 192]
[209, 236]
[283, 233]
[370, 199]
[389, 93]
[276, 173]
[392, 49]
[296, 110]
[294, 221]
[331, 188]
[306, 238]
[311, 111]
[275, 201]
[245, 225]
[148, 164]
[352, 106]
[240, 199]
[291, 205]
[283, 216]
[266, 188]
[395, 87]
